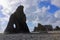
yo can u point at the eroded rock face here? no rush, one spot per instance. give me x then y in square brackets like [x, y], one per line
[17, 22]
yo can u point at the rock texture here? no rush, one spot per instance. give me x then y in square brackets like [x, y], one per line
[30, 36]
[18, 19]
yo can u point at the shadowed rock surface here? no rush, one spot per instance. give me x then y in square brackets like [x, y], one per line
[17, 22]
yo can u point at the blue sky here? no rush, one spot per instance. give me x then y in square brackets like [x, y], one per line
[37, 11]
[52, 9]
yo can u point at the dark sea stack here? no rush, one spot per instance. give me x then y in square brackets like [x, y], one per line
[18, 18]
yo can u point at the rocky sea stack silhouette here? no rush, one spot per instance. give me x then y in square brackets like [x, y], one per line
[17, 22]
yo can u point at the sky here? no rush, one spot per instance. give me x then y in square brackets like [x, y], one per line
[44, 12]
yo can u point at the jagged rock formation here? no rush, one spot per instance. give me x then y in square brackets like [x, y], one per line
[57, 28]
[43, 28]
[17, 22]
[39, 28]
[48, 27]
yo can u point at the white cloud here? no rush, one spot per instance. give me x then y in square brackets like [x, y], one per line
[56, 2]
[10, 6]
[33, 13]
[3, 24]
[57, 14]
[57, 23]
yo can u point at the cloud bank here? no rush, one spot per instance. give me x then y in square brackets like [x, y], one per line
[33, 12]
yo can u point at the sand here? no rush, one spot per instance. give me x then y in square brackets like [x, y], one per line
[30, 36]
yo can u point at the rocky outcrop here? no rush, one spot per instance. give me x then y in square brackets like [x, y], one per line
[17, 22]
